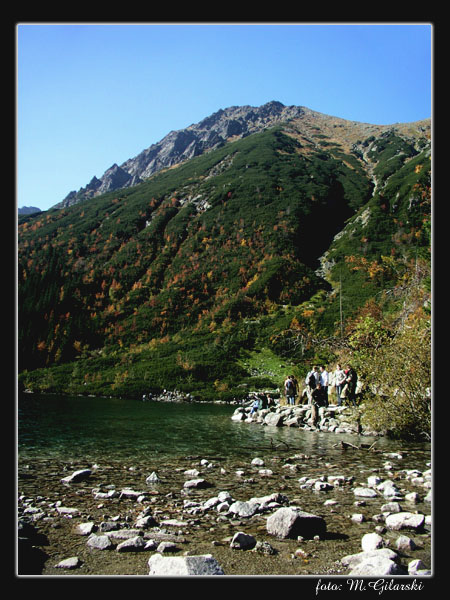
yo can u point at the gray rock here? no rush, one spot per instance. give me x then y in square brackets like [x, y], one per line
[293, 422]
[192, 473]
[146, 522]
[123, 534]
[373, 563]
[173, 523]
[412, 497]
[99, 542]
[337, 480]
[84, 528]
[376, 567]
[358, 518]
[417, 567]
[405, 520]
[403, 542]
[330, 502]
[210, 503]
[372, 541]
[265, 472]
[77, 476]
[264, 548]
[184, 565]
[266, 502]
[240, 416]
[244, 509]
[365, 492]
[291, 522]
[69, 563]
[128, 493]
[391, 507]
[167, 547]
[152, 478]
[352, 560]
[109, 526]
[274, 419]
[323, 486]
[388, 489]
[197, 483]
[67, 511]
[131, 545]
[225, 496]
[243, 541]
[373, 480]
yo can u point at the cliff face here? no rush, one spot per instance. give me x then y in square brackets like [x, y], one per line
[179, 146]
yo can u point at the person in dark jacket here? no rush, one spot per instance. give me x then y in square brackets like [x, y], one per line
[351, 381]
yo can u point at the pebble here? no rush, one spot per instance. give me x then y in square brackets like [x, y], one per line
[69, 563]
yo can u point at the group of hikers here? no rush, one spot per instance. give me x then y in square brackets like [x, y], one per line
[319, 382]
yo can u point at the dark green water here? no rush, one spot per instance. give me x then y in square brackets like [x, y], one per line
[98, 429]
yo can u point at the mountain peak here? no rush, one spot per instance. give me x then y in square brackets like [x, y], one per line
[178, 146]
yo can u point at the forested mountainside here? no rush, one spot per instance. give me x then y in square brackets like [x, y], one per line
[270, 242]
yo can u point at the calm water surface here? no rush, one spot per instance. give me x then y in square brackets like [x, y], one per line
[98, 429]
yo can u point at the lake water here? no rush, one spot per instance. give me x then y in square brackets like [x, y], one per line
[98, 429]
[127, 440]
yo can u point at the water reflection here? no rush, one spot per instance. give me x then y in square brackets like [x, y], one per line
[119, 429]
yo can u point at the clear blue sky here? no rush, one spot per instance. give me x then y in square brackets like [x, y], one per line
[91, 95]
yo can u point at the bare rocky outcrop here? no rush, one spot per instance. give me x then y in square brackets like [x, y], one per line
[181, 145]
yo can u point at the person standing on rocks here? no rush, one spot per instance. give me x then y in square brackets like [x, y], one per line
[311, 380]
[351, 380]
[255, 406]
[290, 389]
[339, 382]
[324, 383]
[296, 387]
[316, 402]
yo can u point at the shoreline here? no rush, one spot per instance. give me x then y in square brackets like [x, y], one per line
[332, 418]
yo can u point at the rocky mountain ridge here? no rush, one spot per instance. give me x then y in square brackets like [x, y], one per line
[230, 124]
[181, 145]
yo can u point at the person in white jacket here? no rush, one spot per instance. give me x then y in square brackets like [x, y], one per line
[340, 376]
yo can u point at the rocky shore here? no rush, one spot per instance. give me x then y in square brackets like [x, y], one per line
[276, 514]
[333, 418]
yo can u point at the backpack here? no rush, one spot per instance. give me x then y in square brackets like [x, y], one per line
[289, 386]
[312, 381]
